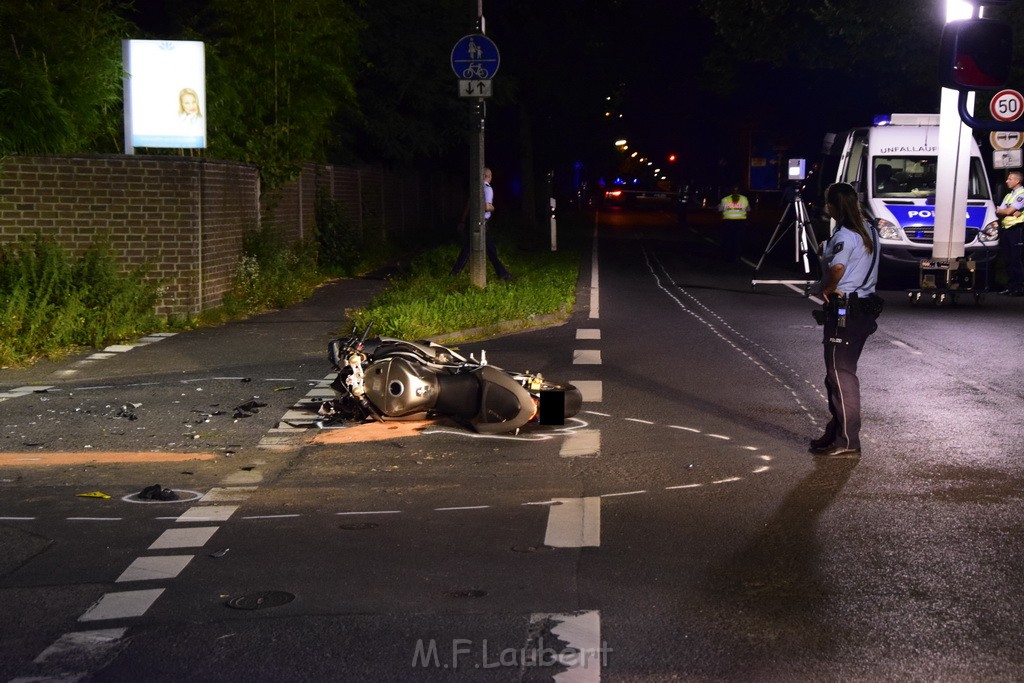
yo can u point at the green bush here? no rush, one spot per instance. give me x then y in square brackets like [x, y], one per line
[428, 302]
[51, 302]
[271, 274]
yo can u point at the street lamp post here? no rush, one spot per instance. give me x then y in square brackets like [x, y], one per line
[953, 169]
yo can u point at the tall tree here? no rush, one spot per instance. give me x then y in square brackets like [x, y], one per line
[279, 73]
[61, 76]
[408, 103]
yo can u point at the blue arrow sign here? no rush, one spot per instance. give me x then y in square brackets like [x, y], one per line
[475, 57]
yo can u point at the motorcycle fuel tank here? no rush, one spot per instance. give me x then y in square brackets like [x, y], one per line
[399, 388]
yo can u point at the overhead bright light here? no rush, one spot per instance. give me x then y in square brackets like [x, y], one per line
[958, 9]
[621, 143]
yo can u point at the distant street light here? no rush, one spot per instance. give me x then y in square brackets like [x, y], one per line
[621, 143]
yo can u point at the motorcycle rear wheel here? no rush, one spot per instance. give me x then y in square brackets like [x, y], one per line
[573, 397]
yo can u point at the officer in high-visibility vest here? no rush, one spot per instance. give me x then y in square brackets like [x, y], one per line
[734, 209]
[1011, 234]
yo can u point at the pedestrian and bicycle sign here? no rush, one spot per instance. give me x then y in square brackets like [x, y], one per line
[475, 61]
[1006, 105]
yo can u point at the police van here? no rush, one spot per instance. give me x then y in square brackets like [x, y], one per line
[893, 165]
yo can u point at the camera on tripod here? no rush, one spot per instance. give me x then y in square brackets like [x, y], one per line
[797, 169]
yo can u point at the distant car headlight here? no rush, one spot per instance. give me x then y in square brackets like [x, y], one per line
[887, 230]
[990, 233]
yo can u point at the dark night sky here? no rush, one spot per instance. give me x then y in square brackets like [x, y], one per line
[667, 104]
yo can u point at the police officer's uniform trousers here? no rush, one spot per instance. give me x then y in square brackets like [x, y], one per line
[842, 351]
[843, 345]
[1011, 241]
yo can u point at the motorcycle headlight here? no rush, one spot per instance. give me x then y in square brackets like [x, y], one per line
[990, 232]
[887, 230]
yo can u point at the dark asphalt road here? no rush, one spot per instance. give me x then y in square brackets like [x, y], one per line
[679, 522]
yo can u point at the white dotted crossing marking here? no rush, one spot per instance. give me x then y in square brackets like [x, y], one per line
[586, 357]
[195, 537]
[72, 648]
[208, 513]
[228, 494]
[575, 523]
[591, 390]
[155, 568]
[585, 443]
[111, 352]
[23, 391]
[122, 605]
[243, 477]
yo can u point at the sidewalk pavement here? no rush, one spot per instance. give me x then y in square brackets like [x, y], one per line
[301, 330]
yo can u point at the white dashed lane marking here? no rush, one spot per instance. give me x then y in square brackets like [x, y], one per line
[575, 523]
[588, 333]
[585, 653]
[591, 390]
[586, 357]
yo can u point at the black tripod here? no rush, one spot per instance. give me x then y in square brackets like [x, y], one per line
[803, 238]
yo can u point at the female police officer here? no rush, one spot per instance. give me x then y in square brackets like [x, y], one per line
[850, 272]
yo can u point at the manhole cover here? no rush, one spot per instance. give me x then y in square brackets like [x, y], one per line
[357, 527]
[261, 600]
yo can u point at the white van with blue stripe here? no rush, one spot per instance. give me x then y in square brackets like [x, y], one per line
[893, 165]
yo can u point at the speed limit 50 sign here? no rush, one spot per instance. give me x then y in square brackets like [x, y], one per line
[1006, 105]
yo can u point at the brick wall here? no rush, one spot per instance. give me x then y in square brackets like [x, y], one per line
[184, 217]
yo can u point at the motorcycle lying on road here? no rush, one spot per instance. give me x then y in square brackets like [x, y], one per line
[384, 378]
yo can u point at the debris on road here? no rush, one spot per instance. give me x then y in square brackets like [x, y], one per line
[248, 409]
[157, 492]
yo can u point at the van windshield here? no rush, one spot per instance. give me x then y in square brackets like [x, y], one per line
[914, 178]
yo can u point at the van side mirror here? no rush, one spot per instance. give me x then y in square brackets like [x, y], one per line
[975, 54]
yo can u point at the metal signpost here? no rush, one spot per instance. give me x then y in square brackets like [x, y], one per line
[1006, 105]
[475, 60]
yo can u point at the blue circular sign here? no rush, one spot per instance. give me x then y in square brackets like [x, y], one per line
[475, 57]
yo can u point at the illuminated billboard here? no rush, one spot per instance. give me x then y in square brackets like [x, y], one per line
[164, 94]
